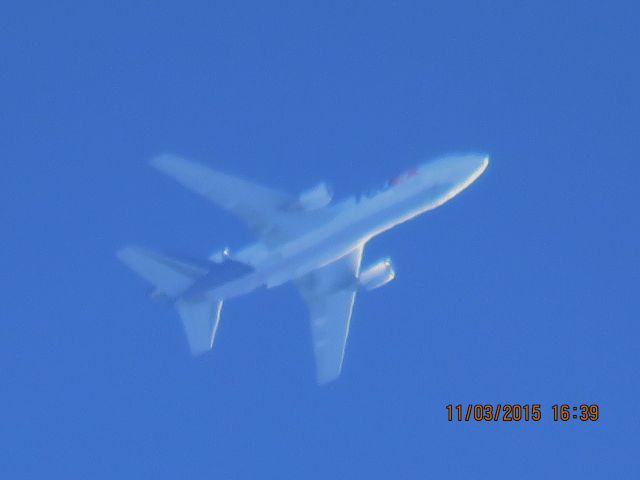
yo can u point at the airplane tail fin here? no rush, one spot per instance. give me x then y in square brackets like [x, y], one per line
[171, 277]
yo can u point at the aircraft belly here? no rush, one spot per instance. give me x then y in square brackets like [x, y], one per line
[306, 262]
[330, 244]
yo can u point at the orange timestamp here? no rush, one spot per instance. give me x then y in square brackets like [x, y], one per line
[516, 412]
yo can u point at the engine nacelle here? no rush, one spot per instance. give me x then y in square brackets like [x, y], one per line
[315, 198]
[377, 275]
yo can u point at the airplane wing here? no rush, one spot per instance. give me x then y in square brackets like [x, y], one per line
[329, 293]
[270, 214]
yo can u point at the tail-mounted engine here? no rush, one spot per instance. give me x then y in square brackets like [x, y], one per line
[220, 256]
[377, 275]
[315, 198]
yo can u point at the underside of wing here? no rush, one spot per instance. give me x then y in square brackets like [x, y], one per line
[330, 293]
[272, 215]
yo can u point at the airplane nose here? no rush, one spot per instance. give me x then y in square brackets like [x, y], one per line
[470, 168]
[483, 161]
[470, 165]
[458, 169]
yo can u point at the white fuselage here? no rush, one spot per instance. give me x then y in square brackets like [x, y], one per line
[356, 222]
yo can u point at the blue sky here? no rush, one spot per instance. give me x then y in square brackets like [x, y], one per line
[522, 289]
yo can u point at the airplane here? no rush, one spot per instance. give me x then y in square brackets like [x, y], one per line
[305, 239]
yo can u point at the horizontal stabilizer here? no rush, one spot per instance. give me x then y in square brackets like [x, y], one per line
[200, 320]
[171, 276]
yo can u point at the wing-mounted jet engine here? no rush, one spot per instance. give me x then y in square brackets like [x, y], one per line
[377, 275]
[315, 198]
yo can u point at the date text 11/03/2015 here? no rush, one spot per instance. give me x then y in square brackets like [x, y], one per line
[516, 412]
